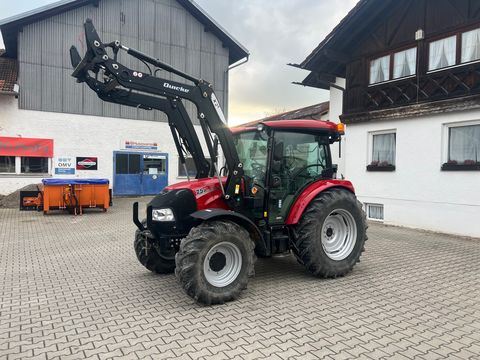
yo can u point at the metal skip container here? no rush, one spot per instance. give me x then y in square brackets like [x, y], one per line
[75, 195]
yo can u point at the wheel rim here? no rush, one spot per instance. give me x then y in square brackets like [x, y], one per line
[222, 264]
[339, 234]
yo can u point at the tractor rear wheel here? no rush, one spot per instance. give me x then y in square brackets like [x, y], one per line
[149, 257]
[331, 234]
[215, 261]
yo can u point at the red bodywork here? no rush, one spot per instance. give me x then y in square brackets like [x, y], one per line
[207, 192]
[309, 193]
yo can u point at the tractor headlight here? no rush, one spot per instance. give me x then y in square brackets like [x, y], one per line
[163, 215]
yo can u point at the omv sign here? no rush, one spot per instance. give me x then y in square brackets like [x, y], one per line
[64, 165]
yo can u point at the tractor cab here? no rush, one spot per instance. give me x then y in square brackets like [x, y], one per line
[280, 159]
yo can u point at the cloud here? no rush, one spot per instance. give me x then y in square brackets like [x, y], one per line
[276, 32]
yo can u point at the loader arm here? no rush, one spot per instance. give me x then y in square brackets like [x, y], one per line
[120, 84]
[183, 132]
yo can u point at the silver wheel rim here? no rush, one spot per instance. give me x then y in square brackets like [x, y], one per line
[339, 234]
[222, 264]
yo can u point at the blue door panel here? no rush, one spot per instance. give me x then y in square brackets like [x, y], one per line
[126, 185]
[139, 173]
[154, 177]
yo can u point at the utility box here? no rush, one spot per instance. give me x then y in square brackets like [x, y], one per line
[75, 195]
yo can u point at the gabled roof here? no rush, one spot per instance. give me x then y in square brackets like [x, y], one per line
[8, 73]
[313, 112]
[329, 58]
[10, 26]
[237, 50]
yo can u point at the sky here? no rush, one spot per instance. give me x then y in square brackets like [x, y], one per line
[275, 32]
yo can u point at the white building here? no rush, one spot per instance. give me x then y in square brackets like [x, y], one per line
[50, 126]
[411, 102]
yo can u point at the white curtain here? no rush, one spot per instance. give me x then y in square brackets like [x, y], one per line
[380, 70]
[442, 53]
[464, 143]
[471, 46]
[384, 148]
[375, 211]
[405, 63]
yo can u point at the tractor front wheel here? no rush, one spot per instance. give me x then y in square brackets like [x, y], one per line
[331, 234]
[215, 261]
[148, 256]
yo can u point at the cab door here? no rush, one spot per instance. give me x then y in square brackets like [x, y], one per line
[298, 159]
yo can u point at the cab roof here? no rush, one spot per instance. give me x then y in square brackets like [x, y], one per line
[291, 125]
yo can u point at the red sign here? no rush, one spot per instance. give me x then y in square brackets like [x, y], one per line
[11, 146]
[87, 163]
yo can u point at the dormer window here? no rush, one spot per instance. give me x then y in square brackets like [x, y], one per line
[405, 63]
[471, 46]
[380, 70]
[442, 53]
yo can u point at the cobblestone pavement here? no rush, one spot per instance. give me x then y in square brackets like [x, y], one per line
[71, 288]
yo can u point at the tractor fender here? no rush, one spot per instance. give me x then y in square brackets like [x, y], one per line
[243, 221]
[309, 193]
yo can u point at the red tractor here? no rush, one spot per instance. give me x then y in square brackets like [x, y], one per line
[276, 194]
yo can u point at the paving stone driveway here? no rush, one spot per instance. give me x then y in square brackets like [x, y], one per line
[71, 288]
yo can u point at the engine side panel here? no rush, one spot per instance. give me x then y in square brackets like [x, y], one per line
[207, 192]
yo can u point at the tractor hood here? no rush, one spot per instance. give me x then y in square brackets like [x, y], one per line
[207, 193]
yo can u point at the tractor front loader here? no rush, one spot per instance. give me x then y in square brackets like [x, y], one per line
[276, 194]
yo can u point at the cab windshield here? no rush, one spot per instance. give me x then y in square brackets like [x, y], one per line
[252, 151]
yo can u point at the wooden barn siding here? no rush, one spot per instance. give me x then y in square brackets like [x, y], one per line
[161, 28]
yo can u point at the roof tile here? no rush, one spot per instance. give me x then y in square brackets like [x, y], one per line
[8, 72]
[313, 112]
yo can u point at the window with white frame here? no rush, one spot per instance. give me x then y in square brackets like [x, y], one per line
[17, 165]
[34, 165]
[7, 164]
[383, 150]
[442, 53]
[374, 211]
[405, 63]
[471, 46]
[380, 70]
[464, 145]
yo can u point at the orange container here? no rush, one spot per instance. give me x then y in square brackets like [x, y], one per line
[75, 195]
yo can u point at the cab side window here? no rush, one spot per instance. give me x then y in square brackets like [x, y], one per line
[297, 160]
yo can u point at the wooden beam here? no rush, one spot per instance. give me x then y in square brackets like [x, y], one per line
[336, 56]
[415, 110]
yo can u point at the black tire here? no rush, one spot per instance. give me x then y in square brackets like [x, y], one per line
[149, 257]
[193, 252]
[308, 247]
